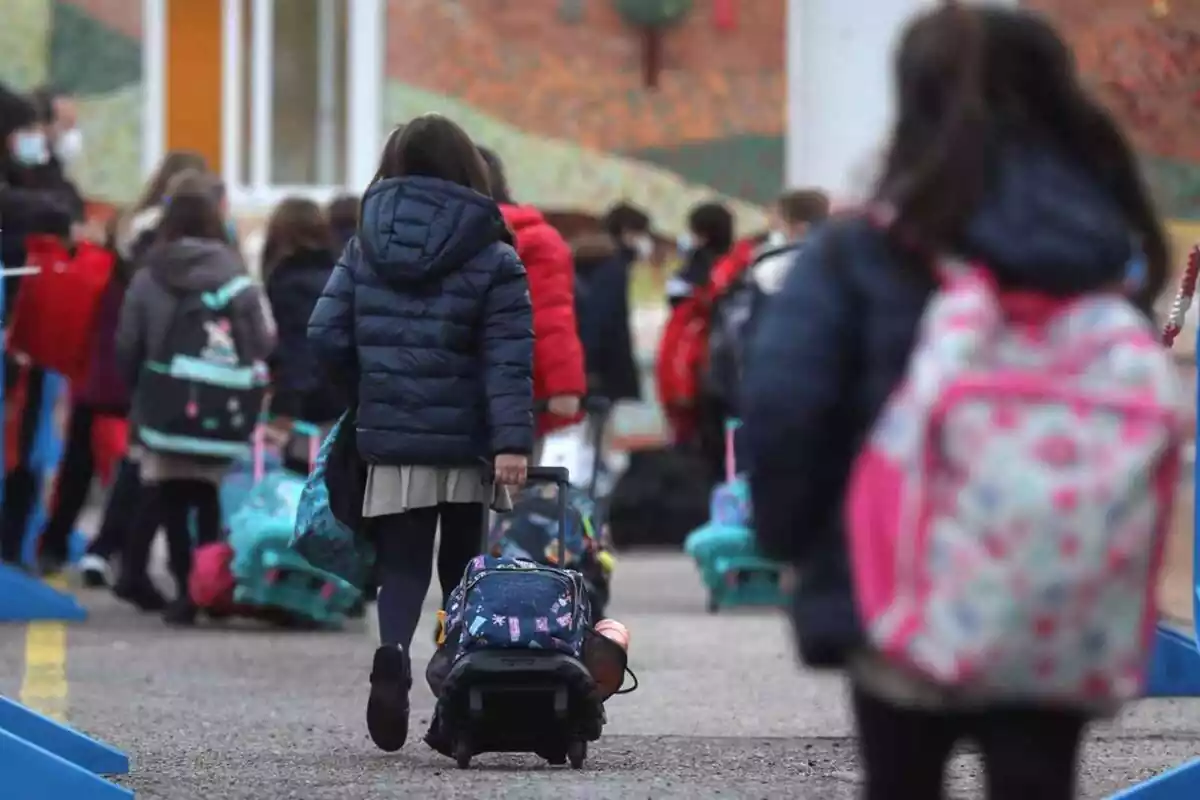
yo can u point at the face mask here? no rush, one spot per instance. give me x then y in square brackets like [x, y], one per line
[644, 246]
[29, 149]
[69, 145]
[776, 239]
[685, 244]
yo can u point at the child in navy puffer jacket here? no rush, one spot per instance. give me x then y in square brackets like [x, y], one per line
[427, 322]
[998, 155]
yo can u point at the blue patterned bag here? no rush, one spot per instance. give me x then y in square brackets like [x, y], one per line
[511, 603]
[320, 536]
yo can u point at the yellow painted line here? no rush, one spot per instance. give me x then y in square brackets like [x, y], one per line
[44, 685]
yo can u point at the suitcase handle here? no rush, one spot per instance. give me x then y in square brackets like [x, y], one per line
[561, 477]
[259, 445]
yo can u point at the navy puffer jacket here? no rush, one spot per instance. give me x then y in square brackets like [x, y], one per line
[427, 315]
[835, 341]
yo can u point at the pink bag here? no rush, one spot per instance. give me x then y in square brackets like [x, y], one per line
[1006, 515]
[211, 583]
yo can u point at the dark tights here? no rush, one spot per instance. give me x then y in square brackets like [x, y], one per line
[1028, 753]
[170, 504]
[404, 545]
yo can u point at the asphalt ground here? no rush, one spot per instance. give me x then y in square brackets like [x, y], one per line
[723, 712]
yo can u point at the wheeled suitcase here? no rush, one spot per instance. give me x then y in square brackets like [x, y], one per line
[535, 694]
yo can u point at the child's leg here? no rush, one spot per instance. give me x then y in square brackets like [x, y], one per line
[120, 510]
[178, 502]
[134, 583]
[207, 500]
[404, 544]
[187, 496]
[74, 481]
[462, 538]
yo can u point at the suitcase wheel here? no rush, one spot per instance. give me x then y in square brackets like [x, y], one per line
[463, 753]
[577, 753]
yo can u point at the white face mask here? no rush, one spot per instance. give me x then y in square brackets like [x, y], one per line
[29, 149]
[776, 238]
[685, 243]
[69, 145]
[644, 246]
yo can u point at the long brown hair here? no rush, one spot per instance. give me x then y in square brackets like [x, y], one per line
[192, 208]
[297, 224]
[968, 76]
[436, 147]
[172, 164]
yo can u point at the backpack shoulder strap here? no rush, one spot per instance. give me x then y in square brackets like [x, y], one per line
[223, 295]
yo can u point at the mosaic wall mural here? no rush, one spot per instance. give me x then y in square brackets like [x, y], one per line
[559, 88]
[1142, 57]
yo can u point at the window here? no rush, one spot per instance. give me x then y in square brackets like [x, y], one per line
[299, 113]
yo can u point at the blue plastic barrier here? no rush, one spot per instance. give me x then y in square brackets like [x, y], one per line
[24, 598]
[1175, 672]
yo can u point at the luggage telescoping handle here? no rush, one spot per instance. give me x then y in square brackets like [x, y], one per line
[560, 477]
[731, 426]
[258, 449]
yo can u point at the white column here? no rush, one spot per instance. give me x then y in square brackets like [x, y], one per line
[232, 94]
[154, 83]
[364, 91]
[262, 87]
[326, 120]
[839, 56]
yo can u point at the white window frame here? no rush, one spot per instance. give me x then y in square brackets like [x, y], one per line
[365, 48]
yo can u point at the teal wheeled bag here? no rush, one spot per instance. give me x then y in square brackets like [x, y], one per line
[724, 550]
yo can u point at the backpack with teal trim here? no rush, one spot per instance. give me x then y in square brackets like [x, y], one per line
[198, 394]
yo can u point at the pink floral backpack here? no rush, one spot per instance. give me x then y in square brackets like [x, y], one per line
[1007, 513]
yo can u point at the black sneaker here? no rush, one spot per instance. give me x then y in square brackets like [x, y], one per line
[387, 709]
[181, 612]
[141, 594]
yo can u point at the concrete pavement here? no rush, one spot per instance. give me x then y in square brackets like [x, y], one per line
[723, 712]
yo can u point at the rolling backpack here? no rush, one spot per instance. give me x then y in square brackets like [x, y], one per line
[198, 395]
[1007, 512]
[255, 572]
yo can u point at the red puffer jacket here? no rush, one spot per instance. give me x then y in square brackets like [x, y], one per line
[557, 352]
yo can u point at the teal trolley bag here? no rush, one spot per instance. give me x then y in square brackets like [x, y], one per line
[266, 578]
[724, 549]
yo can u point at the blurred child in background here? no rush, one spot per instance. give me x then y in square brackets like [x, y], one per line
[297, 260]
[191, 254]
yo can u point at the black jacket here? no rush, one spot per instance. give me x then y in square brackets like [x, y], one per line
[833, 344]
[300, 388]
[602, 272]
[428, 313]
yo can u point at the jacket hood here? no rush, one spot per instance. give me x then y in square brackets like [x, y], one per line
[1046, 225]
[194, 265]
[415, 229]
